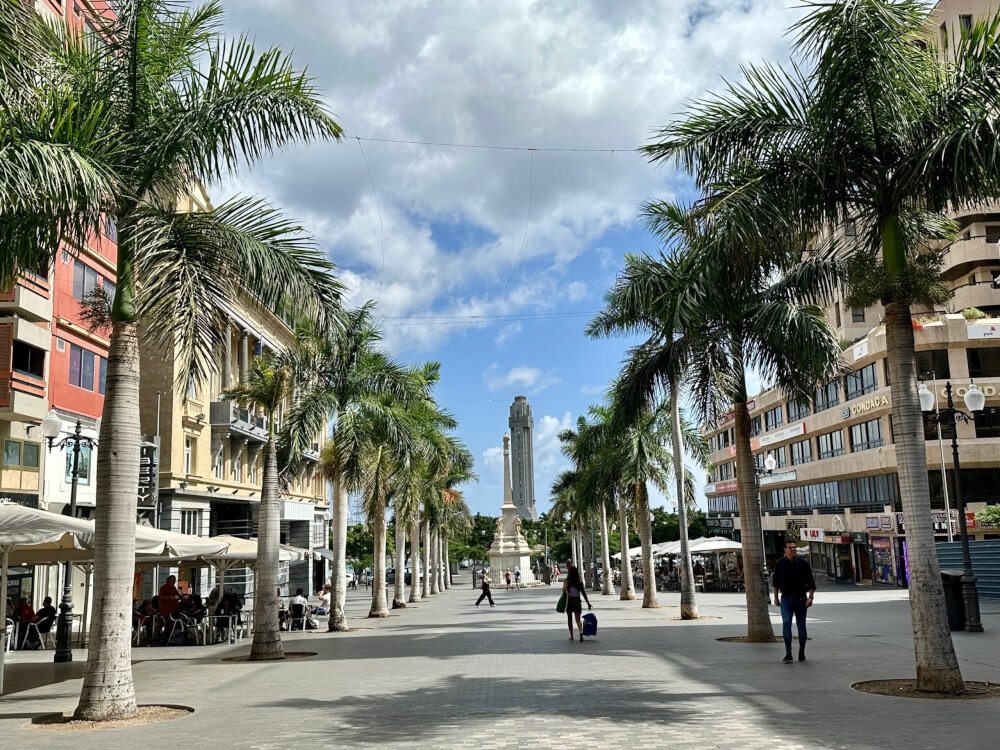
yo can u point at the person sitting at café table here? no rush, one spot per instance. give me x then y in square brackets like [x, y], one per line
[299, 600]
[169, 598]
[25, 615]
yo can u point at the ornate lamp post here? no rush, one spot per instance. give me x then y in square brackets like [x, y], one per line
[51, 429]
[770, 464]
[975, 400]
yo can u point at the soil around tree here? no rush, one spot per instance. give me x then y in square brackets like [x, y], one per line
[145, 715]
[692, 619]
[289, 656]
[908, 689]
[744, 639]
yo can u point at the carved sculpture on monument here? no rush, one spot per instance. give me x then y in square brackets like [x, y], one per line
[509, 549]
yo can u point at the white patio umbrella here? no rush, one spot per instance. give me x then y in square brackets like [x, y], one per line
[240, 551]
[714, 545]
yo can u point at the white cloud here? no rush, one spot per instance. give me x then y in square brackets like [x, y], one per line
[549, 459]
[493, 458]
[594, 390]
[452, 222]
[524, 378]
[508, 332]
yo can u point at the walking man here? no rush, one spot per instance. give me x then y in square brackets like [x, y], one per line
[793, 580]
[486, 588]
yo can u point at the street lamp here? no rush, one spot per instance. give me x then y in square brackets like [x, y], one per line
[770, 464]
[975, 400]
[51, 429]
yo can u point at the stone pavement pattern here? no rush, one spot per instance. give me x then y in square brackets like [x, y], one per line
[446, 674]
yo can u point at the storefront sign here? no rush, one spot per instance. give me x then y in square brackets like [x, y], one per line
[970, 520]
[863, 407]
[780, 436]
[720, 523]
[871, 522]
[885, 523]
[837, 539]
[860, 350]
[812, 535]
[26, 499]
[728, 486]
[980, 331]
[882, 560]
[858, 538]
[781, 476]
[961, 390]
[731, 451]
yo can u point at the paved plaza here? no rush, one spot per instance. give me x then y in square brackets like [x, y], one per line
[446, 674]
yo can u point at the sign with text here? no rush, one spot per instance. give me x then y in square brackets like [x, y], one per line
[885, 523]
[860, 350]
[812, 535]
[777, 478]
[728, 486]
[780, 436]
[863, 407]
[982, 331]
[149, 473]
[871, 522]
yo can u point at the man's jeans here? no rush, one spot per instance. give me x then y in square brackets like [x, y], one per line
[793, 605]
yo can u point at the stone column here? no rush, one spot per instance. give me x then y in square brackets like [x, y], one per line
[244, 356]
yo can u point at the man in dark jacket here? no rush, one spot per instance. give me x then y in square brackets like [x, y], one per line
[793, 580]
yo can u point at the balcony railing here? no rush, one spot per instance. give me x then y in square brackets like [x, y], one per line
[235, 419]
[311, 453]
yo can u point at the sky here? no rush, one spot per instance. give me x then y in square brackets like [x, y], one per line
[492, 260]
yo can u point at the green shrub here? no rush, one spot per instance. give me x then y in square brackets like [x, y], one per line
[973, 313]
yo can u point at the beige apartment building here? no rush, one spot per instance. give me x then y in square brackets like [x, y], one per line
[835, 484]
[211, 454]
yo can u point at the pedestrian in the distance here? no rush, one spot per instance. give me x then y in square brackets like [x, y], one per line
[486, 588]
[517, 577]
[574, 589]
[507, 577]
[793, 580]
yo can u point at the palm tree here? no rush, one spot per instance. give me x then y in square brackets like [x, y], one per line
[639, 303]
[886, 133]
[267, 386]
[165, 103]
[359, 383]
[733, 322]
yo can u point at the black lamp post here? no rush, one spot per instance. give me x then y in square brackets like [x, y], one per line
[51, 429]
[975, 400]
[770, 464]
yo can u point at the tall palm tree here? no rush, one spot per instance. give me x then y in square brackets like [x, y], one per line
[640, 303]
[734, 320]
[359, 383]
[267, 387]
[166, 103]
[884, 133]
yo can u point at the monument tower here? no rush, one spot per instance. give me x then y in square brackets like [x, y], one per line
[522, 452]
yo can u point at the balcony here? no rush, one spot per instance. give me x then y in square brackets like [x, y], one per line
[982, 295]
[965, 256]
[22, 396]
[28, 298]
[239, 422]
[311, 453]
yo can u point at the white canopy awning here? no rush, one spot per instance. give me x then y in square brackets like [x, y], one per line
[715, 545]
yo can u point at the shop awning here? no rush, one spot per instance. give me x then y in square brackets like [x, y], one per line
[322, 553]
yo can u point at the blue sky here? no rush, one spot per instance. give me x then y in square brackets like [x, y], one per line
[492, 260]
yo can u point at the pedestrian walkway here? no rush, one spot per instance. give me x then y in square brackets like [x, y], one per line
[446, 674]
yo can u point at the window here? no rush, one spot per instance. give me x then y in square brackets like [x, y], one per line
[27, 359]
[111, 228]
[988, 424]
[830, 444]
[966, 22]
[931, 429]
[109, 289]
[972, 280]
[933, 364]
[219, 462]
[238, 465]
[944, 37]
[84, 280]
[11, 453]
[881, 489]
[29, 455]
[725, 471]
[253, 470]
[755, 426]
[21, 454]
[188, 451]
[723, 439]
[857, 315]
[81, 367]
[191, 522]
[781, 457]
[861, 382]
[836, 311]
[984, 362]
[827, 396]
[102, 375]
[850, 228]
[798, 410]
[83, 463]
[822, 494]
[801, 452]
[993, 233]
[866, 435]
[772, 419]
[723, 504]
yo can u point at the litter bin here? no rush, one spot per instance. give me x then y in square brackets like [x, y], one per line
[952, 580]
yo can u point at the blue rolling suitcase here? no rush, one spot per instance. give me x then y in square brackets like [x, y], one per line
[590, 624]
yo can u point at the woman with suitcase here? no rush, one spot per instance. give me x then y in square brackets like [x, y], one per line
[574, 589]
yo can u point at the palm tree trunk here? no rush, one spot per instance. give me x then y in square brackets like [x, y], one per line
[266, 636]
[607, 587]
[427, 558]
[759, 628]
[435, 562]
[399, 587]
[415, 561]
[379, 606]
[628, 583]
[445, 564]
[440, 549]
[937, 666]
[689, 608]
[338, 580]
[646, 540]
[574, 539]
[108, 690]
